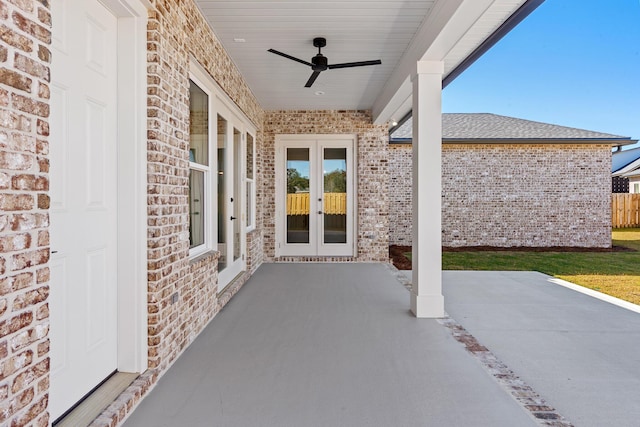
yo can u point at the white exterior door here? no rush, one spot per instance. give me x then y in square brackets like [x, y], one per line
[83, 149]
[231, 228]
[315, 206]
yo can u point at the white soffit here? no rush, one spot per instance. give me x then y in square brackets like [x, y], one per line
[356, 30]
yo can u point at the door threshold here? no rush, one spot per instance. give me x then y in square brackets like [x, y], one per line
[89, 408]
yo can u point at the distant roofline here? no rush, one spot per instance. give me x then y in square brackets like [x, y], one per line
[594, 141]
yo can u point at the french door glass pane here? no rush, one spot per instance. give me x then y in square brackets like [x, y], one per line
[298, 195]
[334, 167]
[236, 202]
[196, 208]
[222, 211]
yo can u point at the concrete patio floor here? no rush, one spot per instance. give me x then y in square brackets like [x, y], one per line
[335, 345]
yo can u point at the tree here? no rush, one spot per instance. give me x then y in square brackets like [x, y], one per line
[336, 181]
[295, 182]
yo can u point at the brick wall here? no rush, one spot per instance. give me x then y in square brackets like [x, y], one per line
[25, 37]
[513, 195]
[176, 31]
[372, 179]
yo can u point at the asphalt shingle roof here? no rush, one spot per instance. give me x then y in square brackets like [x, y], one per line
[466, 126]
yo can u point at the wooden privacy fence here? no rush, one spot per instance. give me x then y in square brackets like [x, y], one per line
[625, 210]
[334, 204]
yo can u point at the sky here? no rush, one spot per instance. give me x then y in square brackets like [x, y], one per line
[572, 63]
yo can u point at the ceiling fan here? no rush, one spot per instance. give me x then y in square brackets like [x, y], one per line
[320, 63]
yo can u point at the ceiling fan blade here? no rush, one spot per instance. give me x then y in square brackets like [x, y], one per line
[312, 79]
[354, 64]
[293, 58]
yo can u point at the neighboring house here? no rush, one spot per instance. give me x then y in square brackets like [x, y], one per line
[625, 171]
[145, 152]
[510, 182]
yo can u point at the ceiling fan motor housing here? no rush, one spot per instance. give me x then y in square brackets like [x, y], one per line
[319, 62]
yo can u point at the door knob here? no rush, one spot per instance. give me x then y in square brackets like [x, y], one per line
[319, 212]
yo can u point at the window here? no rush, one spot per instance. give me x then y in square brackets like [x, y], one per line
[199, 170]
[636, 188]
[251, 183]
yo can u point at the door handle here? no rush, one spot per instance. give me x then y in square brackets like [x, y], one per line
[319, 212]
[232, 218]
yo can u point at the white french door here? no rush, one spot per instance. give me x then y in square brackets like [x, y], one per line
[84, 227]
[231, 218]
[315, 195]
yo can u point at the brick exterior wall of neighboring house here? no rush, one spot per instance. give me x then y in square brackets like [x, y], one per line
[372, 175]
[513, 195]
[24, 217]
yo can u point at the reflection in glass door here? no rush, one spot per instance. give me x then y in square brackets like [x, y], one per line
[230, 221]
[222, 193]
[334, 166]
[314, 196]
[298, 214]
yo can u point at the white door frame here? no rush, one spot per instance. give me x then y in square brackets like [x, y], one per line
[235, 155]
[132, 183]
[315, 247]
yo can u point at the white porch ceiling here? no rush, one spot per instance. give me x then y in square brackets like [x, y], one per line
[399, 32]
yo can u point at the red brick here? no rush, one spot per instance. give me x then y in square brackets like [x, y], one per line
[16, 202]
[30, 259]
[3, 54]
[44, 54]
[26, 221]
[42, 146]
[4, 98]
[15, 80]
[19, 141]
[27, 337]
[43, 91]
[15, 161]
[3, 306]
[44, 201]
[4, 392]
[20, 361]
[43, 238]
[43, 348]
[34, 411]
[25, 378]
[15, 39]
[42, 275]
[44, 16]
[12, 120]
[29, 105]
[32, 28]
[42, 127]
[43, 164]
[42, 312]
[5, 182]
[22, 399]
[31, 298]
[15, 242]
[25, 5]
[21, 281]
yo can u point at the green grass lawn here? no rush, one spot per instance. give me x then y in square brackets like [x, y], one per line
[613, 273]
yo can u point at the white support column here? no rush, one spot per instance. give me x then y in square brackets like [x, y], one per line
[426, 291]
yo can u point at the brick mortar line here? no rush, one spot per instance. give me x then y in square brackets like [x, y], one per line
[543, 413]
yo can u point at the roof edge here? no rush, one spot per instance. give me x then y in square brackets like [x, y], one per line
[517, 17]
[579, 141]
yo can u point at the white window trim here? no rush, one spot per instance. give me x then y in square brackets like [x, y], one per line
[210, 191]
[250, 227]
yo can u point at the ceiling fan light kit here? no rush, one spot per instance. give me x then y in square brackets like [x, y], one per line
[320, 63]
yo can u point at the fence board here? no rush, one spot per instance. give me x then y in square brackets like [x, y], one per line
[334, 203]
[625, 210]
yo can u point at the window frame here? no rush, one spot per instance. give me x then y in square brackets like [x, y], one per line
[210, 190]
[250, 199]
